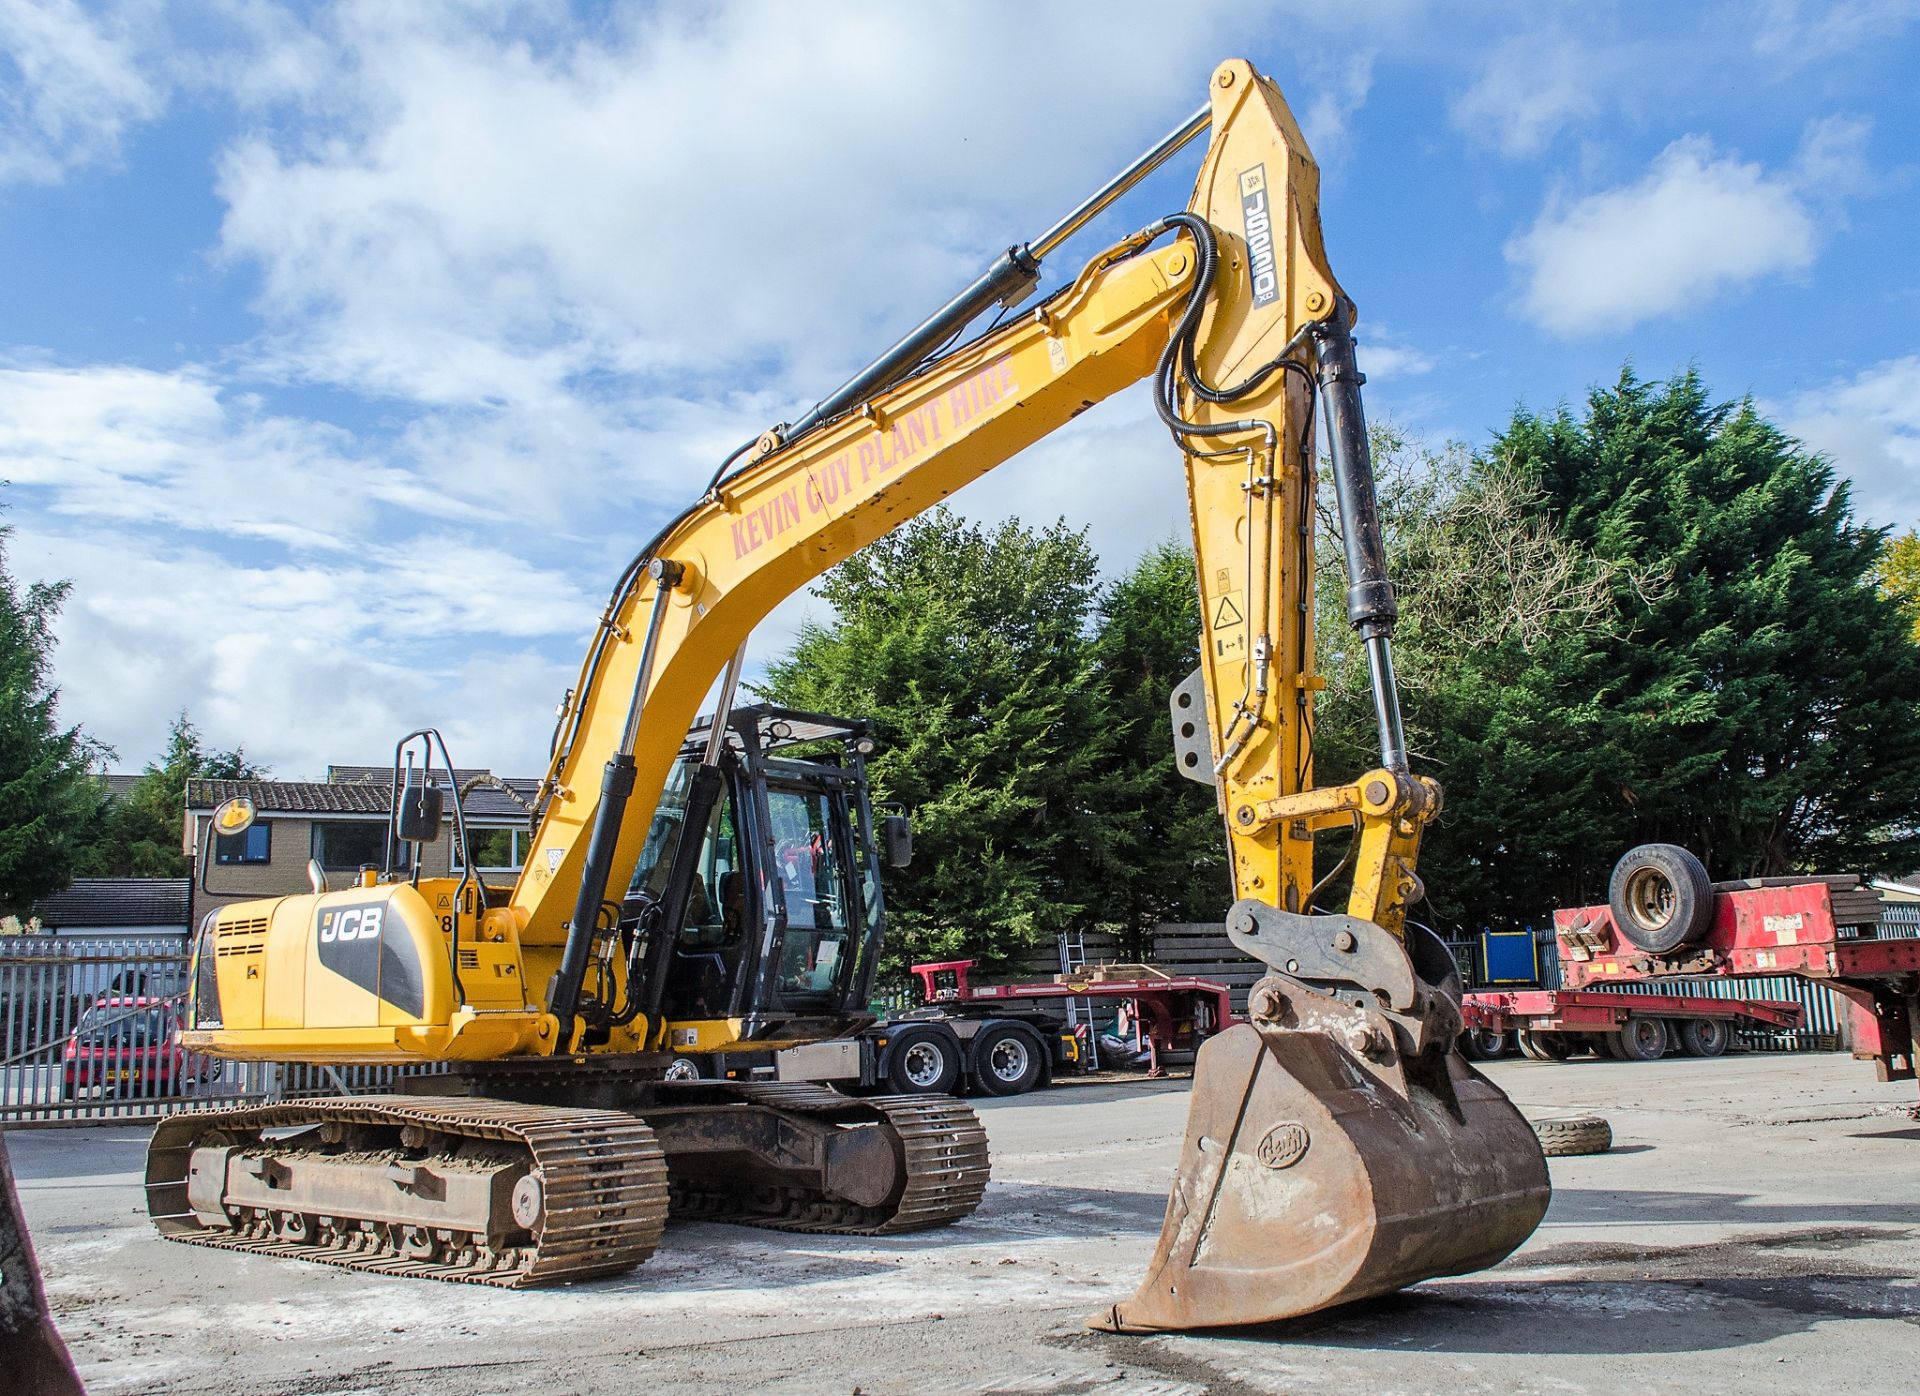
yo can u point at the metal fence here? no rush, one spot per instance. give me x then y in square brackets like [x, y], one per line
[1900, 921]
[89, 1032]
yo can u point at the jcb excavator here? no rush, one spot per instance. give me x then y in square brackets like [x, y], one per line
[1338, 1146]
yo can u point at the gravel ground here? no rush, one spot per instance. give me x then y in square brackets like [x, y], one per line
[1756, 1228]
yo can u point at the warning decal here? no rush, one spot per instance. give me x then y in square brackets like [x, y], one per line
[1227, 615]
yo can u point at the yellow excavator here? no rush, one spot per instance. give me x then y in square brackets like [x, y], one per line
[1338, 1146]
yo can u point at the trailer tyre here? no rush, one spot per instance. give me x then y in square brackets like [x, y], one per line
[1704, 1037]
[923, 1063]
[1482, 1044]
[685, 1069]
[1660, 897]
[1564, 1136]
[1544, 1046]
[1006, 1061]
[1642, 1039]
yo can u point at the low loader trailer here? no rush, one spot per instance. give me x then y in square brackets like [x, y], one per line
[995, 1039]
[1554, 1024]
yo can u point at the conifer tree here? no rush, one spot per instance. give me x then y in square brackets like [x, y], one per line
[47, 799]
[966, 648]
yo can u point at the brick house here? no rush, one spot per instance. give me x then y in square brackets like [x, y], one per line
[341, 824]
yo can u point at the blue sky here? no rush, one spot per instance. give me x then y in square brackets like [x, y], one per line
[347, 351]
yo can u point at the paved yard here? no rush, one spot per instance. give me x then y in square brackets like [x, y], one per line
[1757, 1229]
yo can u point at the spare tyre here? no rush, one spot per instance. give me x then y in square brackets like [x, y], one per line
[1562, 1136]
[1660, 897]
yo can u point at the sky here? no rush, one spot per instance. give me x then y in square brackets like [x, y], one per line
[348, 351]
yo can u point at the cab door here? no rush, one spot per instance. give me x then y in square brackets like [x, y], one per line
[814, 898]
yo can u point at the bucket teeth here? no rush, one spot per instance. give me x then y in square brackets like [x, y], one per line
[1312, 1177]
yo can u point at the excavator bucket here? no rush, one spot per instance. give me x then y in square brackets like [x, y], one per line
[1318, 1171]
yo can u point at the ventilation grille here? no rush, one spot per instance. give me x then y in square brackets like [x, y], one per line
[242, 937]
[469, 959]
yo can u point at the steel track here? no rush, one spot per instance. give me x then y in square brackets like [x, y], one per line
[604, 1177]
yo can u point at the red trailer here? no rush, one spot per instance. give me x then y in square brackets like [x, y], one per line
[1663, 918]
[1175, 1012]
[1553, 1024]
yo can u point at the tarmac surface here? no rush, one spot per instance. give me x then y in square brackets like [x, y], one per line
[1756, 1228]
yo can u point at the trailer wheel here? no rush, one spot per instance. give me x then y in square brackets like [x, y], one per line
[1563, 1136]
[1005, 1061]
[1482, 1044]
[923, 1063]
[1704, 1037]
[1660, 897]
[684, 1069]
[1544, 1046]
[1643, 1039]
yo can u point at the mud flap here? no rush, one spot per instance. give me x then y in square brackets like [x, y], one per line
[1311, 1177]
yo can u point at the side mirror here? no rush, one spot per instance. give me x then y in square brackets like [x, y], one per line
[422, 807]
[896, 837]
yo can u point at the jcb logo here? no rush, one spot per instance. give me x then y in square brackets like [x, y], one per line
[344, 923]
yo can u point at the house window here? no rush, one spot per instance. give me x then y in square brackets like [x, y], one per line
[349, 845]
[253, 846]
[494, 850]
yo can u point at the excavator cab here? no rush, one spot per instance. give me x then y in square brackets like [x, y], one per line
[783, 912]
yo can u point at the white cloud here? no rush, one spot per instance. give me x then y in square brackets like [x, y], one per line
[1869, 426]
[130, 444]
[1696, 224]
[1832, 159]
[70, 84]
[1534, 86]
[1329, 114]
[672, 198]
[1796, 33]
[306, 663]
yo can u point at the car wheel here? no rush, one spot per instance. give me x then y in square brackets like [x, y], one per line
[923, 1063]
[1006, 1061]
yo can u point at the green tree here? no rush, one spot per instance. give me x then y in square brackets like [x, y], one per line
[1898, 575]
[47, 800]
[1762, 707]
[965, 646]
[1160, 855]
[1498, 612]
[141, 835]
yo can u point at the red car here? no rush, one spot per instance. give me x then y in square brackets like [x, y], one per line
[129, 1046]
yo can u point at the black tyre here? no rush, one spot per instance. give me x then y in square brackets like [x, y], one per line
[1660, 897]
[1005, 1061]
[686, 1069]
[1545, 1046]
[1563, 1136]
[1482, 1044]
[1642, 1039]
[1607, 1044]
[1705, 1037]
[923, 1063]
